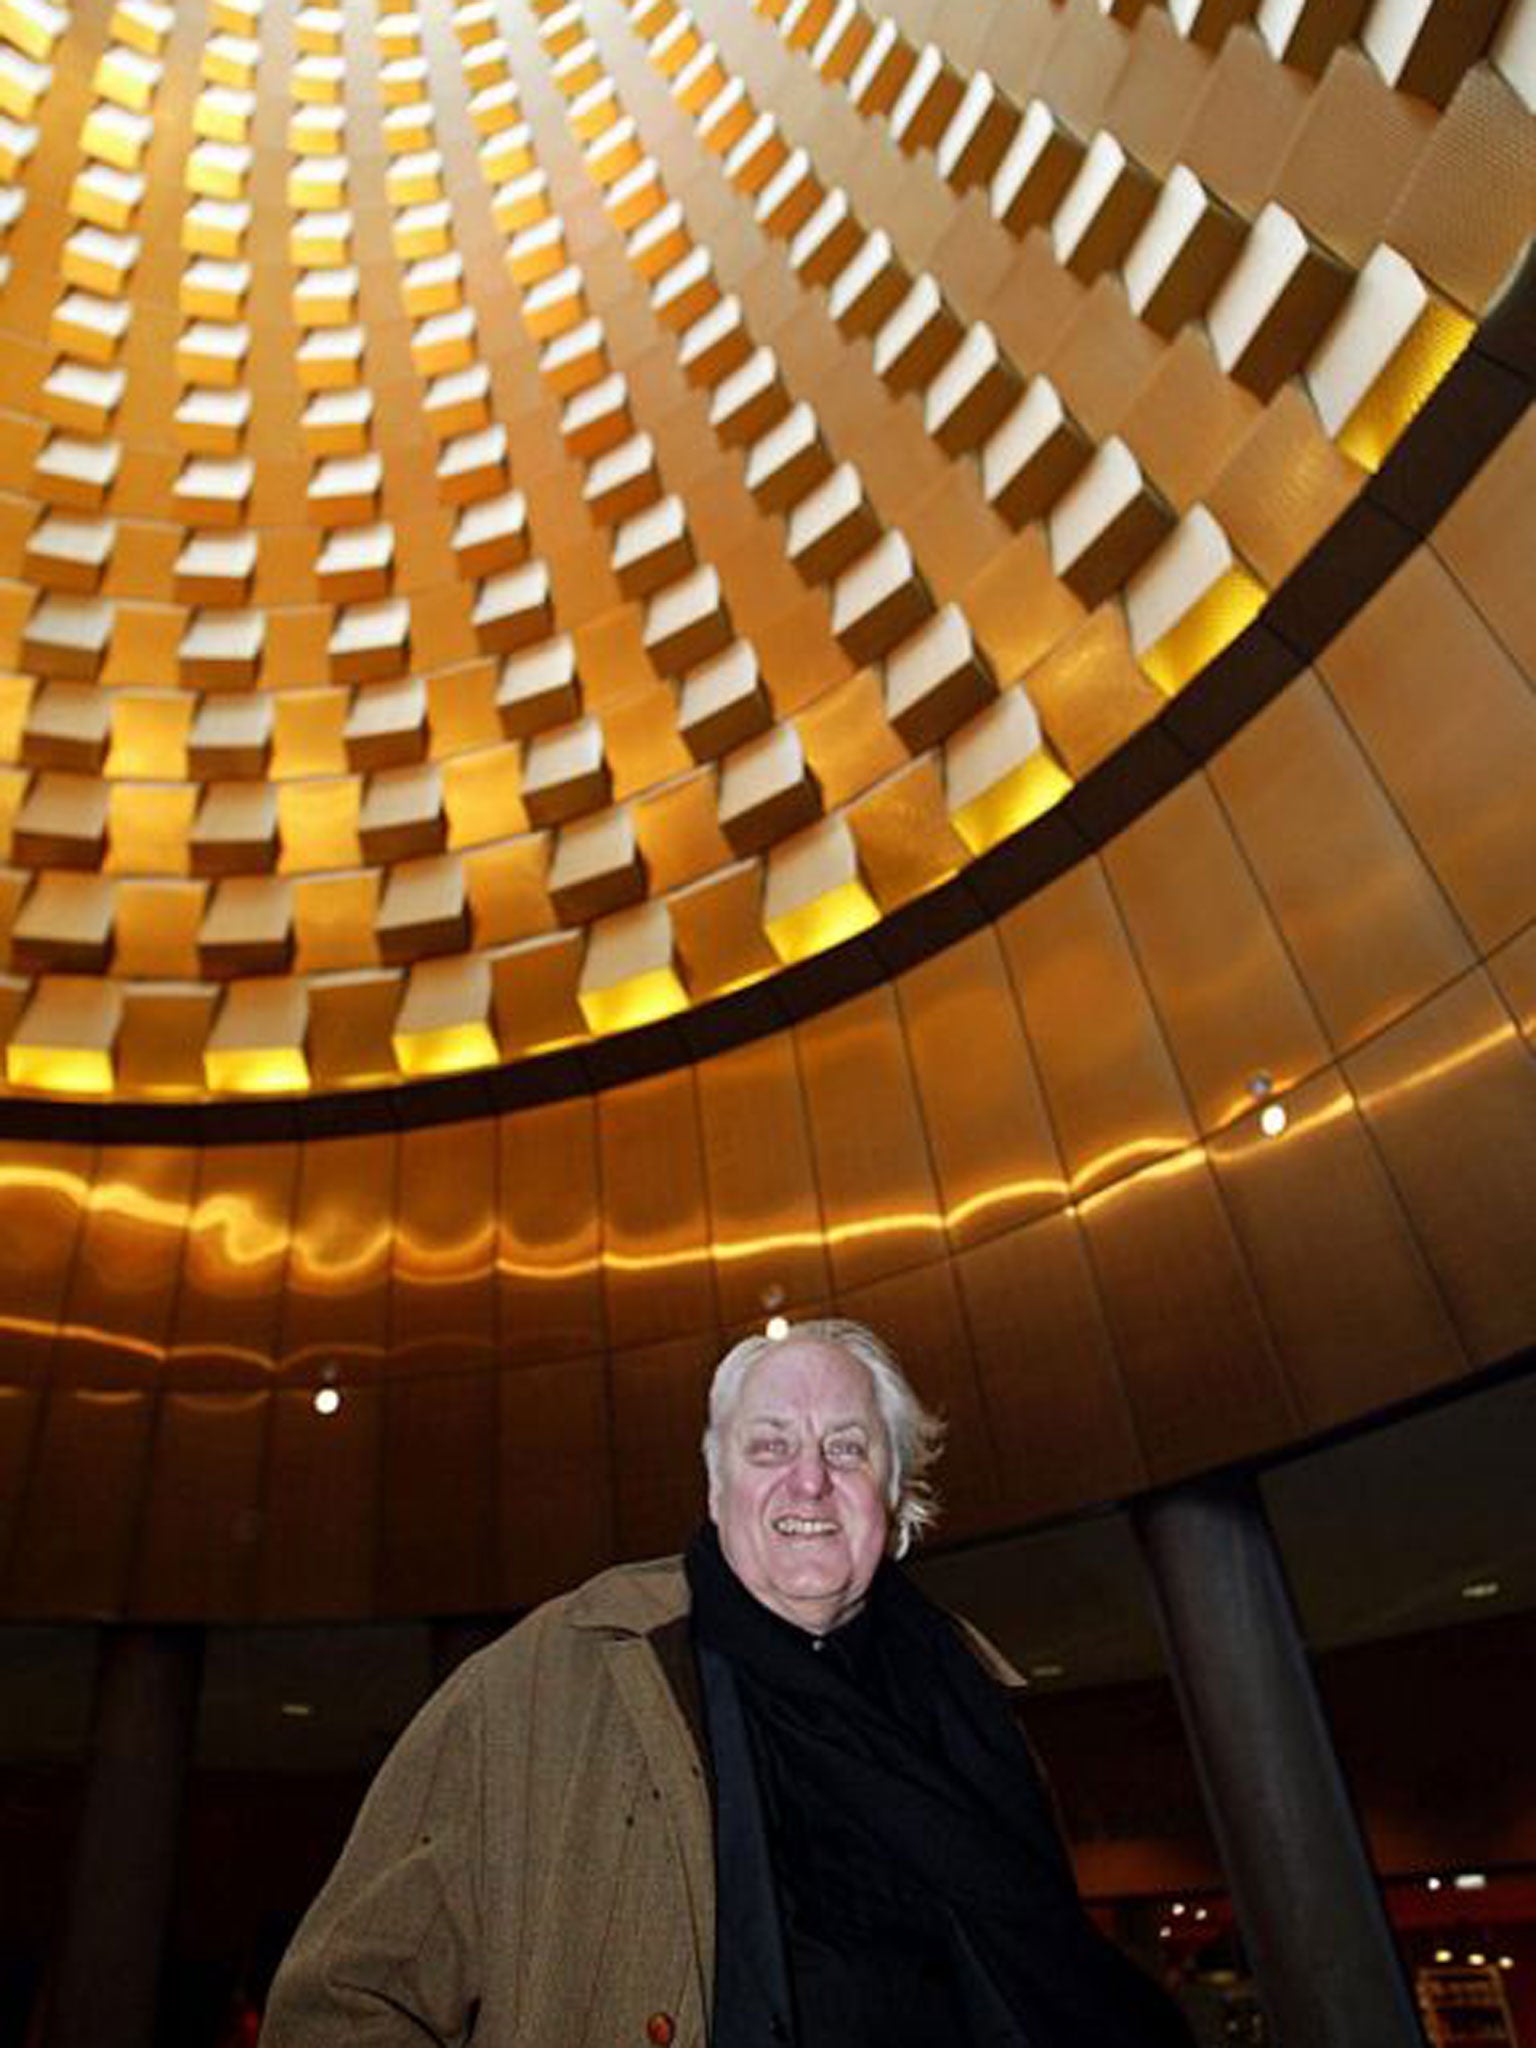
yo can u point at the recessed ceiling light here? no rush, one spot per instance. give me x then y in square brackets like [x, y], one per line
[1273, 1118]
[1047, 1670]
[327, 1400]
[1481, 1589]
[778, 1328]
[1470, 1881]
[296, 1710]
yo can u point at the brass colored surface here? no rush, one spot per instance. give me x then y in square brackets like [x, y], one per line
[656, 1267]
[1450, 1098]
[1227, 995]
[768, 1237]
[1369, 929]
[1353, 1307]
[978, 1059]
[987, 1121]
[201, 1513]
[872, 1165]
[1116, 1101]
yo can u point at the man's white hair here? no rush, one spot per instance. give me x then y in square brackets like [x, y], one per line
[913, 1433]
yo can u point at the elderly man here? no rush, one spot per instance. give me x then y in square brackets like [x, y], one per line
[765, 1794]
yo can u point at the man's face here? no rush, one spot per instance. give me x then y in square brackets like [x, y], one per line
[800, 1494]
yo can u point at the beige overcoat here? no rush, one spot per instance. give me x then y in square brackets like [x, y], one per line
[533, 1865]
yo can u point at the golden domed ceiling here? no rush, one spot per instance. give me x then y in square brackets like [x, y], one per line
[517, 521]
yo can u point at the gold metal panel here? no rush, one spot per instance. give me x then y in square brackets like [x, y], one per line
[556, 1524]
[226, 1323]
[320, 1506]
[658, 1277]
[1466, 213]
[443, 1296]
[74, 1541]
[1450, 1097]
[20, 1408]
[1102, 358]
[1109, 1080]
[1353, 153]
[437, 1527]
[1283, 487]
[1090, 691]
[769, 1246]
[1188, 421]
[1229, 999]
[1450, 725]
[988, 1128]
[953, 532]
[919, 1314]
[548, 1246]
[43, 1194]
[678, 830]
[1364, 920]
[1243, 121]
[659, 1394]
[906, 842]
[1199, 1369]
[116, 1317]
[336, 1292]
[871, 1152]
[846, 738]
[1485, 540]
[1018, 609]
[1051, 1385]
[1514, 970]
[1355, 1314]
[507, 896]
[202, 1509]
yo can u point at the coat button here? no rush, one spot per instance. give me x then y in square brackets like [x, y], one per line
[660, 2028]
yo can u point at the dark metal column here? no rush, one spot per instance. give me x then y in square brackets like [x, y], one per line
[1304, 1892]
[107, 1972]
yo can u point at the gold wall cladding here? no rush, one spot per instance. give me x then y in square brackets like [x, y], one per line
[1034, 1160]
[315, 299]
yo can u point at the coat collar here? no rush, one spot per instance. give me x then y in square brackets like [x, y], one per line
[632, 1599]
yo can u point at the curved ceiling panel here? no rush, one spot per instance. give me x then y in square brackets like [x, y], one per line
[519, 521]
[740, 659]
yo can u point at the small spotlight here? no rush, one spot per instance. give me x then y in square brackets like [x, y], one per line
[327, 1400]
[296, 1710]
[1165, 1933]
[777, 1327]
[1431, 1884]
[1470, 1881]
[1180, 1908]
[1054, 1671]
[1481, 1589]
[1477, 1959]
[1273, 1118]
[1506, 1962]
[1443, 1955]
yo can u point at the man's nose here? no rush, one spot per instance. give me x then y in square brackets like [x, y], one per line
[809, 1473]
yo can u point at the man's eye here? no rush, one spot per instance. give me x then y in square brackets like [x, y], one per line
[767, 1447]
[847, 1450]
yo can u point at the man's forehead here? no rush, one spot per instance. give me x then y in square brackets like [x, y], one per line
[792, 1375]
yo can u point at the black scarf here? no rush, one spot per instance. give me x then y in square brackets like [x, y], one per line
[914, 1852]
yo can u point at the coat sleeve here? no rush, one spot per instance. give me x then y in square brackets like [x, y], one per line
[389, 1955]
